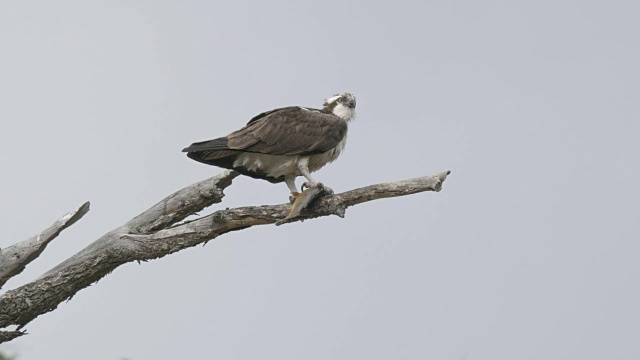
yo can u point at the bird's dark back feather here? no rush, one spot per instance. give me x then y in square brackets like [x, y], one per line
[289, 131]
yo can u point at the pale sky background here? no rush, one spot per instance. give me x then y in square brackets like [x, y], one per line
[531, 251]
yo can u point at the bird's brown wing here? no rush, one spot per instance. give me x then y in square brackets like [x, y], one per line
[289, 131]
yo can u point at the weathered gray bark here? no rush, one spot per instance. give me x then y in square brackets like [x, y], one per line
[14, 258]
[156, 233]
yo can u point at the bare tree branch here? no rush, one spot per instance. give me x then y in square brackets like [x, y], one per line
[181, 204]
[16, 257]
[154, 234]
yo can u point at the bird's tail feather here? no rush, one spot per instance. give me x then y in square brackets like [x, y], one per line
[215, 144]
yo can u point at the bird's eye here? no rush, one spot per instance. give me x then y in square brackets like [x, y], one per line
[340, 99]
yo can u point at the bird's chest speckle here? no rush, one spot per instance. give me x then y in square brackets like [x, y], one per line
[320, 160]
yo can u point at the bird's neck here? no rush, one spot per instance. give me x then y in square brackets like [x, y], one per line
[341, 111]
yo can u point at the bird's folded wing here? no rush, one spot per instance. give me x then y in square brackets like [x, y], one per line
[290, 131]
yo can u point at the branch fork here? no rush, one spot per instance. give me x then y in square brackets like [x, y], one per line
[161, 230]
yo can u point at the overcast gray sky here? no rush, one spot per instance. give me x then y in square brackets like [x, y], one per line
[530, 251]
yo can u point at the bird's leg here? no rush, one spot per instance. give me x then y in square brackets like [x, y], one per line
[290, 180]
[303, 167]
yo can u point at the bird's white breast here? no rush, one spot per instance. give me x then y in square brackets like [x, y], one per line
[272, 165]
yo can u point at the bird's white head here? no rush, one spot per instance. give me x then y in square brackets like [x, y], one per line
[343, 106]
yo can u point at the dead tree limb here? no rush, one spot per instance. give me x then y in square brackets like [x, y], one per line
[158, 232]
[14, 258]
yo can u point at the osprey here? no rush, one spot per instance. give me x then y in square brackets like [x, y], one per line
[284, 143]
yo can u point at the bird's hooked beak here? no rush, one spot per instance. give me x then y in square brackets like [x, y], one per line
[351, 102]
